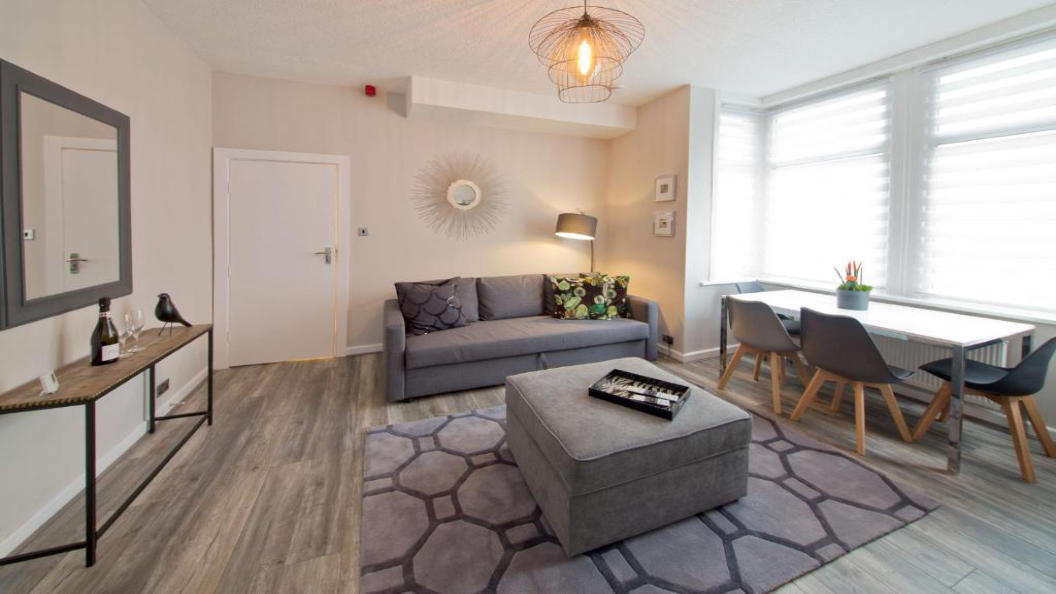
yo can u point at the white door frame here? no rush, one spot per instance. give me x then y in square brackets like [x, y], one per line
[222, 158]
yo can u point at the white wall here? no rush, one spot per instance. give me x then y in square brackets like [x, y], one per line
[118, 53]
[700, 334]
[544, 174]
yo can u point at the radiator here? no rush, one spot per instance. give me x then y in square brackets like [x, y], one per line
[910, 355]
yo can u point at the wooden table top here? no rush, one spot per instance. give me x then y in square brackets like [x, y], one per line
[80, 383]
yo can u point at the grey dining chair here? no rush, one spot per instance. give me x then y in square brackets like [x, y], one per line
[791, 324]
[759, 331]
[843, 352]
[1009, 388]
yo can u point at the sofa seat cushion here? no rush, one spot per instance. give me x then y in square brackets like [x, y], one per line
[517, 336]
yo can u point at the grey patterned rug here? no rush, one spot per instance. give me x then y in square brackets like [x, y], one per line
[445, 510]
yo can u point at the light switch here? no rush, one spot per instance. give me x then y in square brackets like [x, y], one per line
[362, 231]
[29, 234]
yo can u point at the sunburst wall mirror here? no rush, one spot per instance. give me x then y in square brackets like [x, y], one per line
[459, 195]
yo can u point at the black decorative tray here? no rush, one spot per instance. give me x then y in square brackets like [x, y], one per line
[647, 394]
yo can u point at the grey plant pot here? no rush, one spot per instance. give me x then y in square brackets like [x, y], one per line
[852, 299]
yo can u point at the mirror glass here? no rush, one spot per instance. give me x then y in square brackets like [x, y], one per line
[463, 194]
[69, 199]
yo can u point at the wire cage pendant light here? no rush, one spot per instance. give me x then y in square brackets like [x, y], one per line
[584, 49]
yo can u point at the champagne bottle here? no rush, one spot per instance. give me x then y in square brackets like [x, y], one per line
[106, 346]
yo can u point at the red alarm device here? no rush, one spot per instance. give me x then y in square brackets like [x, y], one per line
[370, 90]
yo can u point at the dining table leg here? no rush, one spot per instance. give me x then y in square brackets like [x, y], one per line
[722, 335]
[955, 420]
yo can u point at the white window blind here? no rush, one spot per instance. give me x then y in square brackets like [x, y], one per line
[734, 237]
[986, 213]
[827, 188]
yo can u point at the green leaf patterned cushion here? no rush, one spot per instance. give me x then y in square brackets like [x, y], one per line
[590, 297]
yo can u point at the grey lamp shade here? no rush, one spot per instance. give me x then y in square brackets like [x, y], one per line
[574, 225]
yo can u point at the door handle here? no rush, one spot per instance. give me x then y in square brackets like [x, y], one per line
[74, 261]
[327, 253]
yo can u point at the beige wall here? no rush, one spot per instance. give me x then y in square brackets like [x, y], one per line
[118, 53]
[544, 174]
[658, 146]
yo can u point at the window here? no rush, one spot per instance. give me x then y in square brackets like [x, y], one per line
[955, 204]
[734, 242]
[987, 208]
[827, 188]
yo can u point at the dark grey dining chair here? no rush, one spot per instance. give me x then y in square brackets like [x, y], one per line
[1009, 388]
[791, 324]
[759, 332]
[843, 352]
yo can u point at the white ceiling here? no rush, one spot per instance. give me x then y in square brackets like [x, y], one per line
[755, 47]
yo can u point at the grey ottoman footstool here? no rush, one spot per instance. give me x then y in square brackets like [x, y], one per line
[602, 472]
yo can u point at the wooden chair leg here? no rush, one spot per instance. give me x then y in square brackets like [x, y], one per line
[731, 366]
[1039, 426]
[758, 365]
[896, 413]
[801, 370]
[808, 394]
[859, 417]
[939, 401]
[775, 381]
[837, 396]
[945, 414]
[1019, 438]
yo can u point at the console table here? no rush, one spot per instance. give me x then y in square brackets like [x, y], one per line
[80, 384]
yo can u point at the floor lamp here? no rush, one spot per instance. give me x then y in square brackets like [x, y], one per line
[576, 225]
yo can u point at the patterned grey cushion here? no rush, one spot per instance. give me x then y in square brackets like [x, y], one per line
[430, 307]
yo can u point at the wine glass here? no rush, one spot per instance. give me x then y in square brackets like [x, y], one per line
[134, 321]
[122, 339]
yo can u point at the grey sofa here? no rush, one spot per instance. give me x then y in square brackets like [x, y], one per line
[512, 335]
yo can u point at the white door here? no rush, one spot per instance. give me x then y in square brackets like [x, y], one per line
[284, 258]
[80, 186]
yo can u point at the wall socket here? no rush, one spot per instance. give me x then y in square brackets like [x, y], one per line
[162, 388]
[362, 231]
[668, 339]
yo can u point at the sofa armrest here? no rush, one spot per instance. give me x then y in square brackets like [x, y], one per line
[395, 340]
[648, 311]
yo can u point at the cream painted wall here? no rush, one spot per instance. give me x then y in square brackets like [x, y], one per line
[118, 53]
[544, 174]
[658, 146]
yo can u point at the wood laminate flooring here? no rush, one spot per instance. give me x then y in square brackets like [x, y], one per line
[268, 498]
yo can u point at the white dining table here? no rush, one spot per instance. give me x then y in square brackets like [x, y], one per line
[957, 332]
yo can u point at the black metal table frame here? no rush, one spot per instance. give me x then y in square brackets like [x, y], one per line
[91, 531]
[955, 420]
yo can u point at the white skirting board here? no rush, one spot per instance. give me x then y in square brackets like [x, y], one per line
[74, 488]
[700, 355]
[364, 349]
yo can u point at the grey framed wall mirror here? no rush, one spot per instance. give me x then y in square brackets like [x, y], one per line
[65, 222]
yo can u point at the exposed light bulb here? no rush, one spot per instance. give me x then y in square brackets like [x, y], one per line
[585, 60]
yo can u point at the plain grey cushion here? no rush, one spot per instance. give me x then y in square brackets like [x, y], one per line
[503, 297]
[593, 444]
[517, 336]
[466, 293]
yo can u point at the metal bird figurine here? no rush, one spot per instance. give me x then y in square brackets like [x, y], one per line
[166, 312]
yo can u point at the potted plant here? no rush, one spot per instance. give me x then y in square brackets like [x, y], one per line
[852, 293]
